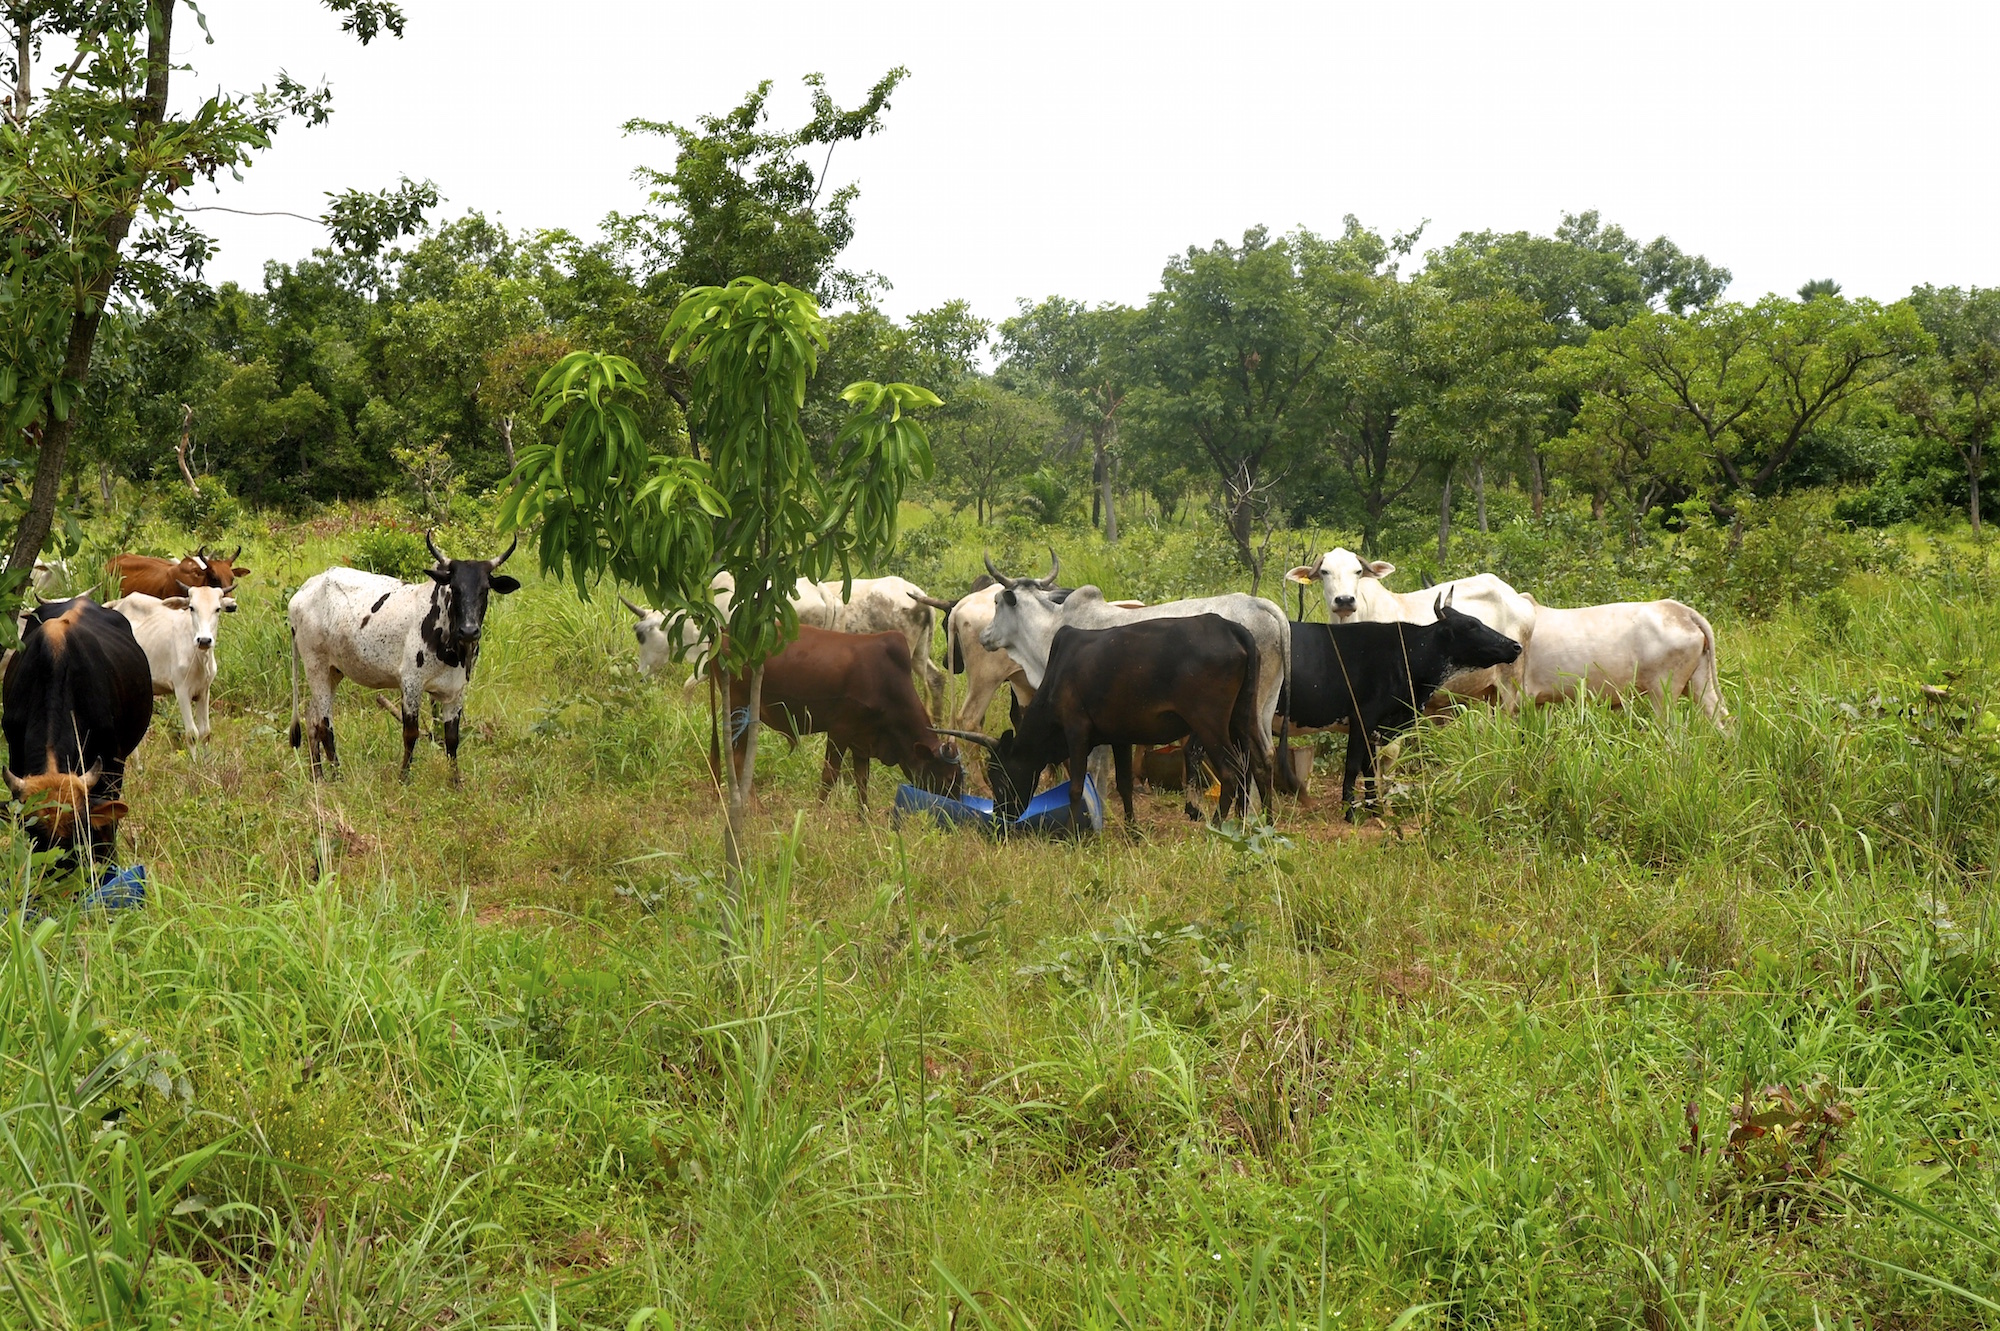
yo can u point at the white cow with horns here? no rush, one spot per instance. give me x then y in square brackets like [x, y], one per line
[416, 638]
[1355, 594]
[876, 605]
[178, 637]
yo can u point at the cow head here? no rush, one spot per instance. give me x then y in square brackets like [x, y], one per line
[934, 765]
[1342, 576]
[201, 569]
[1025, 615]
[62, 805]
[1011, 774]
[458, 605]
[656, 645]
[207, 605]
[1470, 643]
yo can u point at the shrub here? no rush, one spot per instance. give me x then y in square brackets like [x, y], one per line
[390, 550]
[206, 514]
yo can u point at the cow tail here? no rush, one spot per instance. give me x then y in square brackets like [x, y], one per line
[1705, 685]
[954, 658]
[1245, 720]
[1281, 757]
[296, 735]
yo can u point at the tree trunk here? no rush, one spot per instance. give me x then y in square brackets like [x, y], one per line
[1972, 470]
[33, 532]
[1535, 480]
[1108, 464]
[1479, 490]
[24, 52]
[1444, 518]
[104, 482]
[737, 810]
[507, 439]
[1597, 504]
[181, 453]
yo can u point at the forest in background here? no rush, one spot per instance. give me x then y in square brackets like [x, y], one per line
[1348, 382]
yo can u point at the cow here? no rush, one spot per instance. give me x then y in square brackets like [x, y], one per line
[77, 699]
[1147, 682]
[875, 605]
[1026, 618]
[855, 688]
[178, 636]
[163, 578]
[1355, 595]
[417, 638]
[1376, 678]
[985, 670]
[1661, 649]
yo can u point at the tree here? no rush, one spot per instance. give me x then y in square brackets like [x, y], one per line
[1227, 355]
[757, 508]
[84, 162]
[987, 441]
[1954, 396]
[741, 198]
[1078, 360]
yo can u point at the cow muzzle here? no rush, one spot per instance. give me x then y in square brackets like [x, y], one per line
[1343, 606]
[203, 644]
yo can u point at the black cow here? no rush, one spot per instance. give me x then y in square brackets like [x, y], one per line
[77, 700]
[1376, 678]
[1152, 682]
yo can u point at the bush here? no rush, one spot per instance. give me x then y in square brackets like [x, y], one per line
[390, 550]
[207, 514]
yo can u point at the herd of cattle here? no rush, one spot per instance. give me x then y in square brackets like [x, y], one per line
[1231, 676]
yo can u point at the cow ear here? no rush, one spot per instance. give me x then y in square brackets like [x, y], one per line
[241, 573]
[1303, 573]
[107, 813]
[175, 602]
[505, 585]
[1381, 568]
[229, 605]
[441, 576]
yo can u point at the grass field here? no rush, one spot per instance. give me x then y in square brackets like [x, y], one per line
[420, 1056]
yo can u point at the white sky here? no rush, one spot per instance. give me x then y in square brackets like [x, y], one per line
[1072, 148]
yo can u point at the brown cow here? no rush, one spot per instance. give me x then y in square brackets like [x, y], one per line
[166, 578]
[854, 688]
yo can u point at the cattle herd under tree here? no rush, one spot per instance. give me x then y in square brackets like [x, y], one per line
[1230, 675]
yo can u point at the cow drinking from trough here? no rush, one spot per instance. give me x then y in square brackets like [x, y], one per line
[1149, 682]
[854, 688]
[1355, 594]
[77, 699]
[178, 636]
[416, 638]
[1376, 678]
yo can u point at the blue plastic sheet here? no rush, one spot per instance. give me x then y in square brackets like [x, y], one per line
[1046, 813]
[121, 889]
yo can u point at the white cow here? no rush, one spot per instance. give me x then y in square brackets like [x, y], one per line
[416, 638]
[1355, 594]
[877, 605]
[1662, 649]
[1027, 615]
[178, 635]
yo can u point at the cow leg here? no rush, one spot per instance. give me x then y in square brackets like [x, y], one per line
[1194, 777]
[861, 782]
[448, 726]
[319, 717]
[1357, 762]
[413, 702]
[186, 701]
[1079, 768]
[201, 726]
[829, 768]
[1121, 763]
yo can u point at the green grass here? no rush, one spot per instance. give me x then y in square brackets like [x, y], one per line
[495, 1055]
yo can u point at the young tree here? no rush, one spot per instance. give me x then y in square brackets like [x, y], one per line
[1954, 396]
[83, 162]
[987, 442]
[1078, 360]
[757, 508]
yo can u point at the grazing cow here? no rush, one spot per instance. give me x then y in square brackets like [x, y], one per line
[1148, 682]
[1027, 616]
[77, 700]
[1376, 678]
[854, 688]
[876, 605]
[1662, 649]
[178, 636]
[164, 578]
[417, 638]
[1355, 595]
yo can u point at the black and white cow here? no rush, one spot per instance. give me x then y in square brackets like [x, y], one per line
[417, 638]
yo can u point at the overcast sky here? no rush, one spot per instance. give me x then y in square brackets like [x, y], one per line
[1073, 147]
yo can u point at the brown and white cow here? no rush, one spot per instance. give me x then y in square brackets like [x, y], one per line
[165, 578]
[1661, 649]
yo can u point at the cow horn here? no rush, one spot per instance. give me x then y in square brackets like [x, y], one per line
[89, 778]
[436, 553]
[640, 611]
[1055, 566]
[1005, 582]
[984, 741]
[233, 555]
[935, 604]
[17, 786]
[505, 555]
